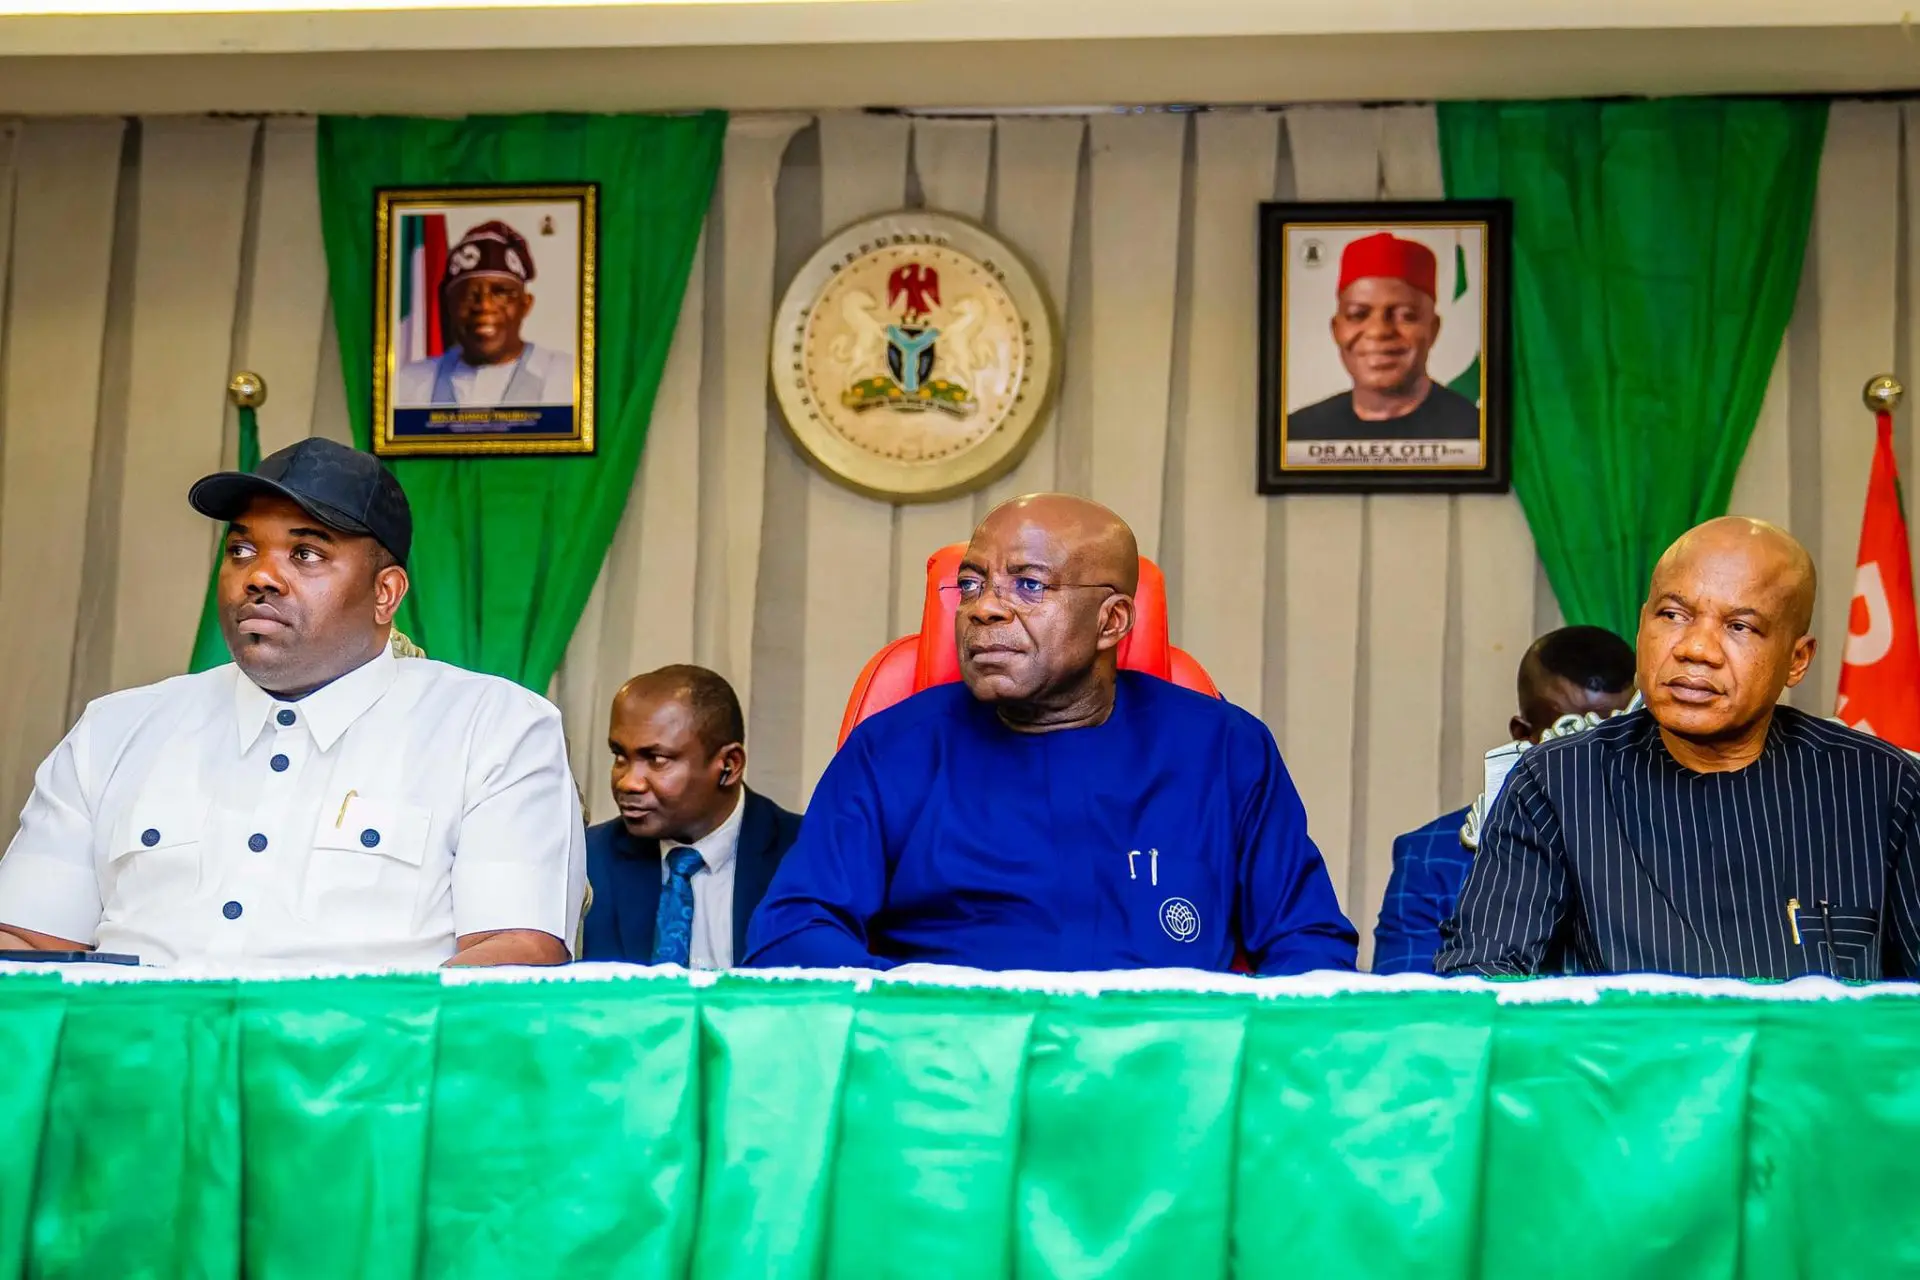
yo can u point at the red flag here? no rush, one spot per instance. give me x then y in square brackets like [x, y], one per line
[1880, 672]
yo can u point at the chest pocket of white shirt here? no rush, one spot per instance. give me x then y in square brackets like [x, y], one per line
[154, 859]
[366, 864]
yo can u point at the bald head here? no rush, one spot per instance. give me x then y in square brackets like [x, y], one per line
[1765, 547]
[1046, 596]
[1723, 634]
[1097, 541]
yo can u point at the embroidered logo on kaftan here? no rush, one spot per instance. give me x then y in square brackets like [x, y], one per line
[1181, 919]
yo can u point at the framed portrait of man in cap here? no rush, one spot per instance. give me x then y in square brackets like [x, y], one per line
[1384, 347]
[484, 327]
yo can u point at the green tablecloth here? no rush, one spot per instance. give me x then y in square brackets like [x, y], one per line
[352, 1129]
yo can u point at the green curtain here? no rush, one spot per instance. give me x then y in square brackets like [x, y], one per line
[763, 1129]
[506, 550]
[209, 646]
[1656, 252]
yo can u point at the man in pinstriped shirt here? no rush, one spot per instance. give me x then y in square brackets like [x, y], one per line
[1713, 832]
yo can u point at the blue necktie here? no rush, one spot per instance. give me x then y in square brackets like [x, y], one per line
[673, 924]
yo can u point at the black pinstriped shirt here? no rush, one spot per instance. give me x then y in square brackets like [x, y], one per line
[1606, 855]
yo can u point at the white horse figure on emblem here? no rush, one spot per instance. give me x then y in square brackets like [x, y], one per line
[961, 350]
[863, 349]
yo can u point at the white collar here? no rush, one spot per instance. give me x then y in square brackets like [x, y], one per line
[329, 711]
[718, 847]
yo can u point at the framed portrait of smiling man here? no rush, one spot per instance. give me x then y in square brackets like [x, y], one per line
[484, 323]
[1383, 347]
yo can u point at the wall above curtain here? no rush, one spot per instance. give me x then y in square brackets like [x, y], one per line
[852, 53]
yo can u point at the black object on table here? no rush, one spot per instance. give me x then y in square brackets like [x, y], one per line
[68, 957]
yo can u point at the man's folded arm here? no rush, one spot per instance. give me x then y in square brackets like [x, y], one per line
[1515, 896]
[519, 871]
[1291, 921]
[14, 938]
[49, 892]
[833, 881]
[507, 946]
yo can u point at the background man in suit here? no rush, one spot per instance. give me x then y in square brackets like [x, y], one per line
[677, 876]
[1574, 671]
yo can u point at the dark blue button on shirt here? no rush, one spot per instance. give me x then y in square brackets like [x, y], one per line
[1429, 866]
[149, 837]
[285, 717]
[370, 837]
[279, 764]
[257, 842]
[231, 911]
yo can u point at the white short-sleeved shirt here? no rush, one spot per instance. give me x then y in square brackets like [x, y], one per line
[202, 820]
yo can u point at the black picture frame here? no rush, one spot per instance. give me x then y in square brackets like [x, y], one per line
[1381, 463]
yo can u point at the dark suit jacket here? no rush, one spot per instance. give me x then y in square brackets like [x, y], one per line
[625, 874]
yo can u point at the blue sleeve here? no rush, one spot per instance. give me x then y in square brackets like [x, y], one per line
[834, 878]
[1290, 920]
[1420, 894]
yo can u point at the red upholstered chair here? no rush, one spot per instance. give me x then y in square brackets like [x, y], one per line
[917, 662]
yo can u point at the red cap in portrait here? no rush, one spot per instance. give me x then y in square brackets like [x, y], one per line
[1386, 256]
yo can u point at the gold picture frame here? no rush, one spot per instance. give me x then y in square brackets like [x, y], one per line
[484, 310]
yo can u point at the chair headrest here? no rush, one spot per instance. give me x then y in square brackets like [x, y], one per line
[1148, 647]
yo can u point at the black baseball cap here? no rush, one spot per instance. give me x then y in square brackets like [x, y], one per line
[342, 488]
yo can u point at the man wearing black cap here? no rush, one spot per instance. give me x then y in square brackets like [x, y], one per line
[485, 300]
[320, 801]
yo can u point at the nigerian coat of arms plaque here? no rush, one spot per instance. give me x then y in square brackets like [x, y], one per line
[913, 357]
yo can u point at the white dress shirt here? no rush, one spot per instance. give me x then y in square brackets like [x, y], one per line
[711, 946]
[371, 823]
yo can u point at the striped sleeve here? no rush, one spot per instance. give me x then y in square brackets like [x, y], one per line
[1900, 957]
[1516, 894]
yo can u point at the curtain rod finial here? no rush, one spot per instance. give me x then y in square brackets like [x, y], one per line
[1882, 394]
[247, 390]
